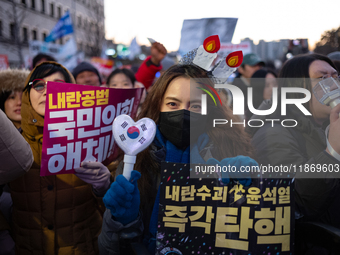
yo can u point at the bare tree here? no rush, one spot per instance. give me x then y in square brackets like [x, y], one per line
[16, 15]
[97, 35]
[329, 42]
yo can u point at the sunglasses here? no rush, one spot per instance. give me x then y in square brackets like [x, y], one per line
[40, 85]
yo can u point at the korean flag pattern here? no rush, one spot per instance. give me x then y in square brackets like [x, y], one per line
[133, 137]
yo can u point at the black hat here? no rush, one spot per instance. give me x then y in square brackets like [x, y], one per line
[85, 66]
[252, 60]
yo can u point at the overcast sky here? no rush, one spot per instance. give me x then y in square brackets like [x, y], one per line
[257, 19]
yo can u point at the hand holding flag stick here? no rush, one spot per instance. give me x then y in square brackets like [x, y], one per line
[132, 137]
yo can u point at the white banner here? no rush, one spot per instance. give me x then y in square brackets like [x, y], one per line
[194, 31]
[65, 54]
[36, 47]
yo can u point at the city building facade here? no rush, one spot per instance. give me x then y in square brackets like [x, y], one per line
[24, 20]
[278, 50]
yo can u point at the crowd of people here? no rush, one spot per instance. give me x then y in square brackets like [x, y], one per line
[97, 210]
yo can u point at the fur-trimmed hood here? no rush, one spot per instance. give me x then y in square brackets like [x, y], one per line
[32, 123]
[49, 62]
[60, 210]
[12, 79]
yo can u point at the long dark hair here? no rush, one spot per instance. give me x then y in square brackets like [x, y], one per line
[295, 72]
[228, 141]
[298, 66]
[3, 97]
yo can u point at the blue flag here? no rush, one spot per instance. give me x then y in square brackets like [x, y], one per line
[62, 28]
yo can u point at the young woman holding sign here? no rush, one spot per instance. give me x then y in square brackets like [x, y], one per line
[52, 214]
[174, 104]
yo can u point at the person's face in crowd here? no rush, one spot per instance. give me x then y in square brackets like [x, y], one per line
[13, 107]
[270, 83]
[88, 78]
[180, 95]
[38, 98]
[120, 81]
[247, 71]
[317, 70]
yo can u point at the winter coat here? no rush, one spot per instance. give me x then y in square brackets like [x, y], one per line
[315, 199]
[13, 79]
[114, 233]
[52, 214]
[146, 72]
[15, 154]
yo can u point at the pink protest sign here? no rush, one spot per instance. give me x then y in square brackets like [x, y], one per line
[78, 124]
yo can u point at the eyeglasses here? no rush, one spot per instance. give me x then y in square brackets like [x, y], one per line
[40, 85]
[335, 76]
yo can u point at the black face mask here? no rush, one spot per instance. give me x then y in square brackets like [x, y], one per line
[179, 127]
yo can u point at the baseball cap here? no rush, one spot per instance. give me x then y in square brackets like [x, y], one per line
[252, 60]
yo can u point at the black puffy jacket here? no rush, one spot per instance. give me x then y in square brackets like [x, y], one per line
[316, 199]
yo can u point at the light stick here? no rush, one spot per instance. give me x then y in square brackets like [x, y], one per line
[132, 137]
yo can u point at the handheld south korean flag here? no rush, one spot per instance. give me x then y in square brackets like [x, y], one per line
[132, 137]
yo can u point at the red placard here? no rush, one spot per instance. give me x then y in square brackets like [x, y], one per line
[4, 62]
[78, 124]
